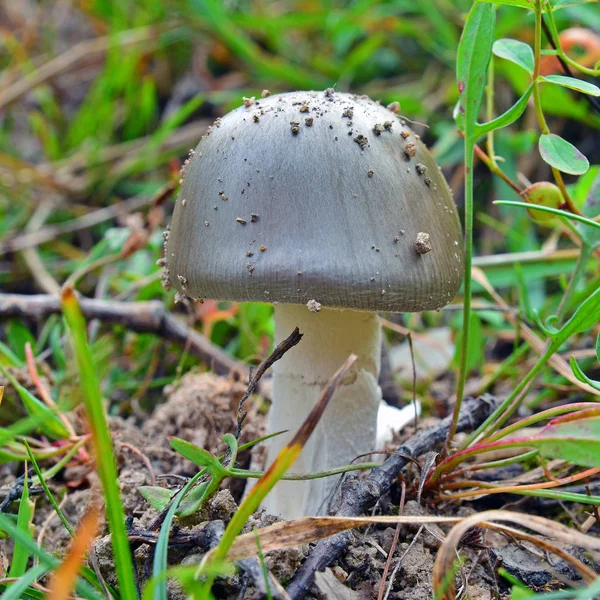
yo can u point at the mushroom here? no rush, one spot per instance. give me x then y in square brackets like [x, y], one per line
[342, 215]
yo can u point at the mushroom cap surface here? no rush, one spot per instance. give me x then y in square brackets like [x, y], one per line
[320, 196]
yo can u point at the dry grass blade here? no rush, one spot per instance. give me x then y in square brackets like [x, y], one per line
[447, 553]
[72, 57]
[65, 576]
[312, 529]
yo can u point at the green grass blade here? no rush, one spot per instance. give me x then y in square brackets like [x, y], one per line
[17, 590]
[47, 491]
[46, 559]
[101, 440]
[21, 553]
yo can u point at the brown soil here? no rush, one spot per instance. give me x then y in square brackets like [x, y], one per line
[200, 409]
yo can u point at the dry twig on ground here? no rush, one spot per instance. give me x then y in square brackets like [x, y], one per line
[360, 495]
[143, 317]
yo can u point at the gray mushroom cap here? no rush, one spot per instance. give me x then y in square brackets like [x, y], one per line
[320, 196]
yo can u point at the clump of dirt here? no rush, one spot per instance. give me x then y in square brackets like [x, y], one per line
[200, 409]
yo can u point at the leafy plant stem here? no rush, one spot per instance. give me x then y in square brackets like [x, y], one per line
[560, 52]
[537, 103]
[506, 409]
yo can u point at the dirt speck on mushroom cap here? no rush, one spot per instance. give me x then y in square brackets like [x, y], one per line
[316, 208]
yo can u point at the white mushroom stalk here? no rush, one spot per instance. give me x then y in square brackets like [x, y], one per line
[348, 426]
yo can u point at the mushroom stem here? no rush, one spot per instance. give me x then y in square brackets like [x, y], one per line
[348, 426]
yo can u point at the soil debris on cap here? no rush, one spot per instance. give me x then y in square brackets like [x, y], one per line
[309, 121]
[240, 220]
[405, 134]
[250, 268]
[370, 173]
[423, 243]
[421, 168]
[222, 195]
[295, 126]
[378, 129]
[394, 107]
[247, 102]
[388, 125]
[265, 93]
[313, 306]
[304, 108]
[262, 248]
[329, 92]
[255, 118]
[253, 217]
[348, 113]
[179, 298]
[361, 140]
[410, 149]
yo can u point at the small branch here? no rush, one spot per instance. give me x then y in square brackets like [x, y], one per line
[359, 496]
[142, 317]
[266, 364]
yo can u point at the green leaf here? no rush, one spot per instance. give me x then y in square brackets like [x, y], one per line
[572, 83]
[49, 423]
[577, 371]
[516, 52]
[585, 317]
[575, 440]
[598, 346]
[562, 155]
[233, 448]
[194, 500]
[473, 58]
[157, 497]
[507, 117]
[199, 456]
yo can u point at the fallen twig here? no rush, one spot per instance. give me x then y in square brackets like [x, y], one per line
[360, 495]
[143, 317]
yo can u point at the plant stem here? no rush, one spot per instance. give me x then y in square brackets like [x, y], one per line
[560, 52]
[462, 374]
[506, 409]
[489, 96]
[537, 102]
